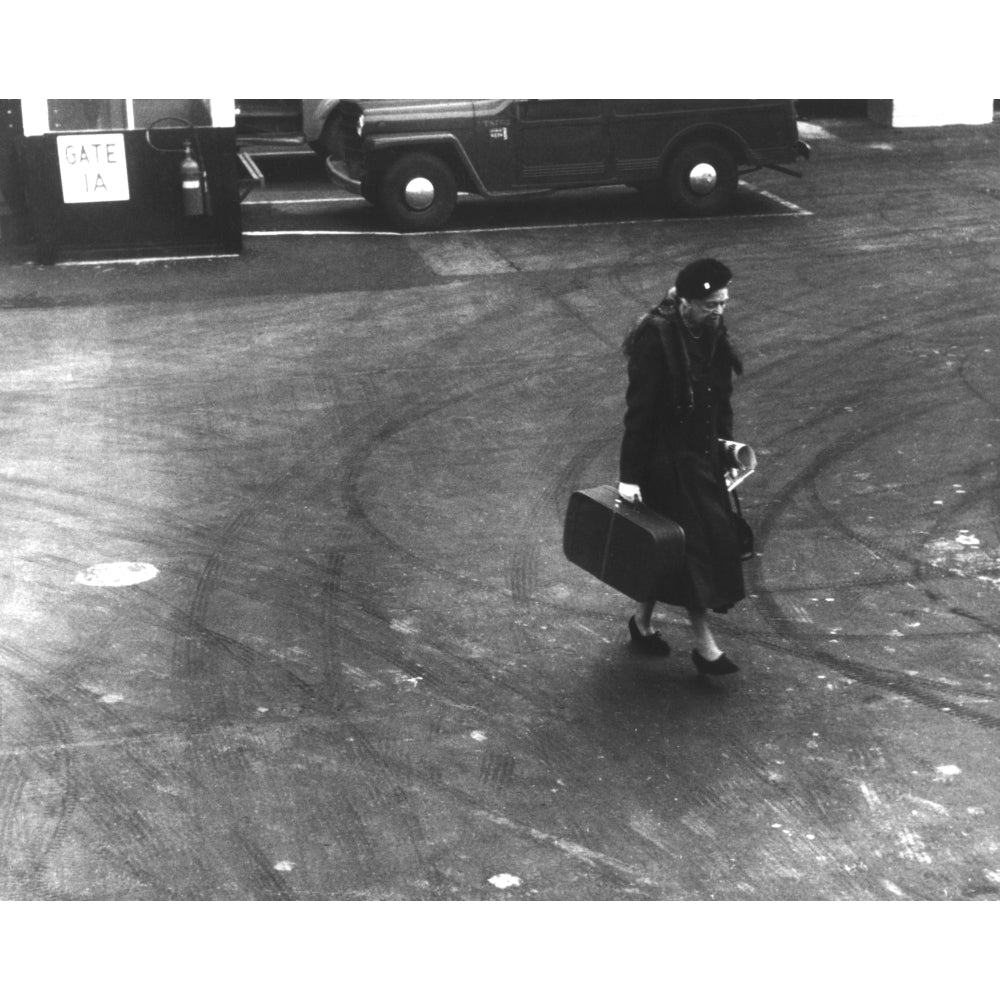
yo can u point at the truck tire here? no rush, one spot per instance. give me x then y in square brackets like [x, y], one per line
[701, 179]
[417, 192]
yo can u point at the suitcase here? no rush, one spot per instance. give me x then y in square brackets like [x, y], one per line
[627, 546]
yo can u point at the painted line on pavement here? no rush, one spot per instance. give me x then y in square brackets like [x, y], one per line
[331, 232]
[505, 229]
[795, 209]
[328, 200]
[355, 199]
[144, 260]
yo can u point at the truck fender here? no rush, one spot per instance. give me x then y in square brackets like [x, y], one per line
[713, 133]
[429, 142]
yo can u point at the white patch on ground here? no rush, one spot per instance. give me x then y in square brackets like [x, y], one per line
[112, 699]
[478, 735]
[284, 866]
[648, 827]
[505, 881]
[934, 807]
[945, 772]
[462, 256]
[966, 556]
[807, 130]
[400, 677]
[360, 677]
[912, 847]
[402, 625]
[116, 574]
[698, 825]
[870, 797]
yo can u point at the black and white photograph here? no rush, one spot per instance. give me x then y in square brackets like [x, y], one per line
[501, 501]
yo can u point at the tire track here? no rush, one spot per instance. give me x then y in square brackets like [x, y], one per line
[96, 786]
[45, 709]
[796, 635]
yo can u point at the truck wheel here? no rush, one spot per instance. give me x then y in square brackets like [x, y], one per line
[701, 179]
[417, 192]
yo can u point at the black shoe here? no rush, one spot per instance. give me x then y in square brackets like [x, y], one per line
[654, 645]
[717, 667]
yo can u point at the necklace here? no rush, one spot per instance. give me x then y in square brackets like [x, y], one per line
[690, 330]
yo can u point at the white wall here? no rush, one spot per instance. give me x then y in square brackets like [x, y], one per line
[911, 112]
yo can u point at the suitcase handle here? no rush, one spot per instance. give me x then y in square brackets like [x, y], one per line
[619, 500]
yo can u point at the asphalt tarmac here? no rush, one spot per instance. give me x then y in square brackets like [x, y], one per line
[338, 653]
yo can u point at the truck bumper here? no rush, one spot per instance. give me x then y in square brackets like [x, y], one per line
[801, 150]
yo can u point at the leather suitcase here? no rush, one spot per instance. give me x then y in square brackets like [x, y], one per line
[627, 546]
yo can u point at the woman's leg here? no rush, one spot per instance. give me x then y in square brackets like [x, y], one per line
[643, 636]
[644, 616]
[703, 639]
[707, 656]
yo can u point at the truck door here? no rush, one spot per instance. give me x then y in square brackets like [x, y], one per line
[561, 142]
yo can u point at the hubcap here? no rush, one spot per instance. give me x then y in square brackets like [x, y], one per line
[703, 178]
[419, 194]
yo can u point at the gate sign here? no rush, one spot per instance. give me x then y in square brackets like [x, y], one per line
[93, 167]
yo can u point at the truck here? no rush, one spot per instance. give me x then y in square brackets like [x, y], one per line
[412, 158]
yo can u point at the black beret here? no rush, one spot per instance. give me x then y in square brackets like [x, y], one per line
[702, 277]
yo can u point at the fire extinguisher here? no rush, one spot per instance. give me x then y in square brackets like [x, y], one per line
[192, 184]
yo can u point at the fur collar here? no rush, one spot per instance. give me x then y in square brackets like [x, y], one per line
[665, 318]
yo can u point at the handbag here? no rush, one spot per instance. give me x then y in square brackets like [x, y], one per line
[744, 533]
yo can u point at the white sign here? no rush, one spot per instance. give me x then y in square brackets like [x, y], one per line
[93, 167]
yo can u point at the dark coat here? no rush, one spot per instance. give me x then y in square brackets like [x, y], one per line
[677, 406]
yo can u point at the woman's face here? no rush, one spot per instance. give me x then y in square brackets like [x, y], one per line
[705, 312]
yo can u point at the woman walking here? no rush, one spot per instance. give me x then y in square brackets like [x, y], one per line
[677, 407]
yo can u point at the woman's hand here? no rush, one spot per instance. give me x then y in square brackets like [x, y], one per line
[630, 492]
